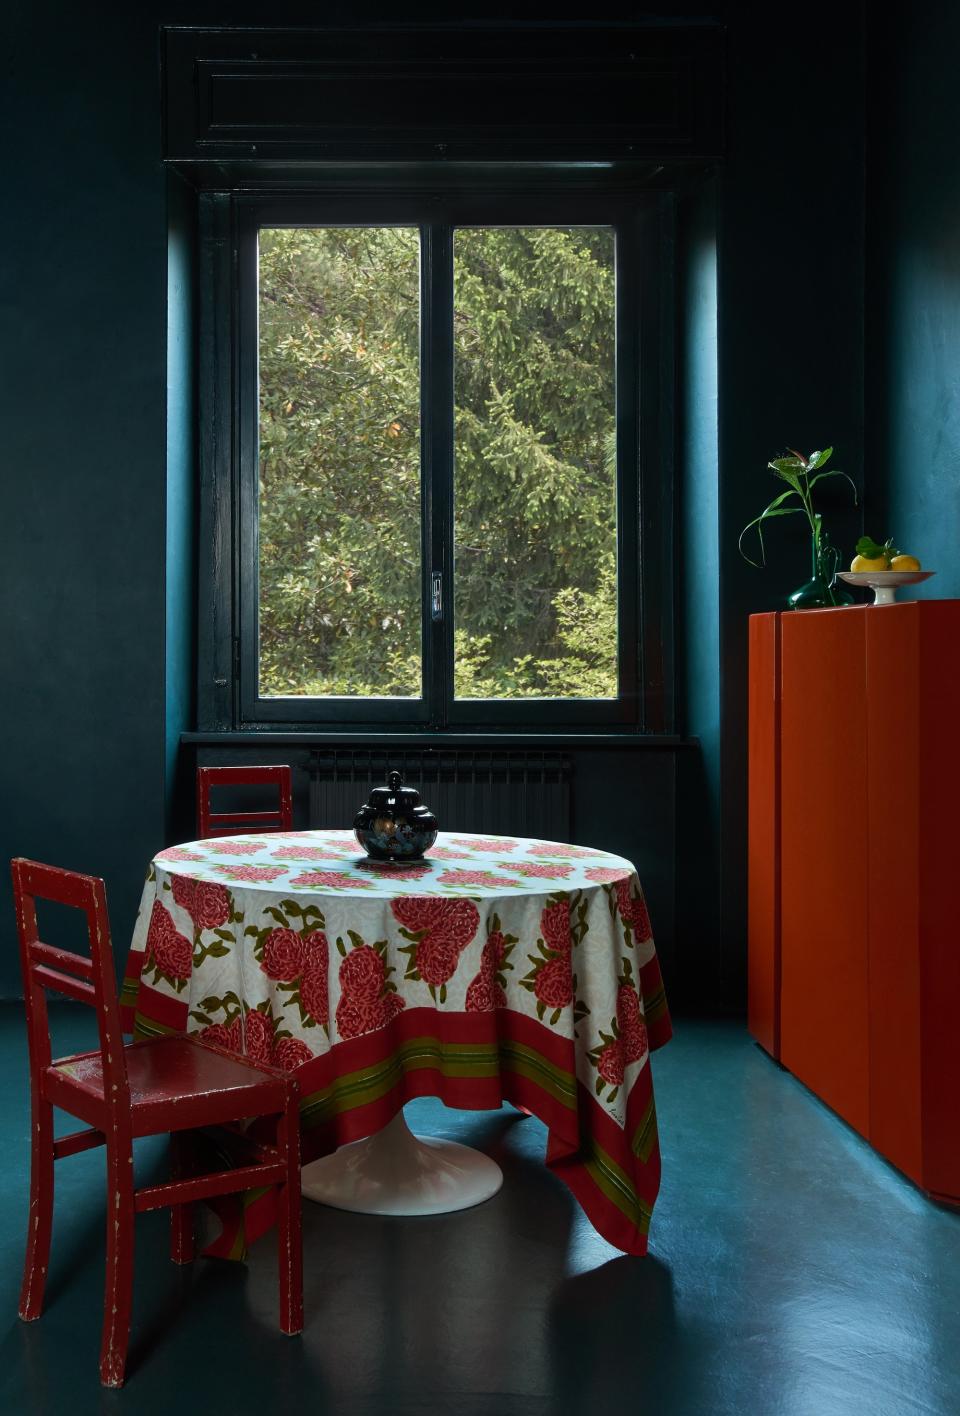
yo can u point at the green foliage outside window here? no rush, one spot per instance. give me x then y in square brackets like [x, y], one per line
[339, 525]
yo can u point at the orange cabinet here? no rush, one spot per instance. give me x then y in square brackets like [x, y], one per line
[854, 796]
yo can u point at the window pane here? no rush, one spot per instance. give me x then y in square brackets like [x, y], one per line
[535, 484]
[339, 556]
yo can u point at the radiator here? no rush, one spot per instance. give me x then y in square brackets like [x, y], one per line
[505, 793]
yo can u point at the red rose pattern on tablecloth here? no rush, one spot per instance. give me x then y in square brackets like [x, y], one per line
[291, 1053]
[487, 991]
[610, 1067]
[553, 848]
[551, 979]
[229, 1035]
[178, 853]
[173, 956]
[625, 1042]
[314, 990]
[537, 870]
[363, 971]
[212, 905]
[555, 926]
[239, 848]
[633, 1029]
[284, 955]
[183, 891]
[294, 954]
[633, 910]
[331, 880]
[161, 923]
[207, 904]
[253, 874]
[368, 1000]
[439, 931]
[484, 878]
[168, 953]
[442, 853]
[307, 853]
[456, 920]
[256, 1034]
[606, 874]
[553, 983]
[437, 961]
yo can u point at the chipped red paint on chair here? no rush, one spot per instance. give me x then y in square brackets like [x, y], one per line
[234, 823]
[123, 1091]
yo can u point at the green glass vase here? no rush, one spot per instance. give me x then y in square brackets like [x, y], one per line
[821, 591]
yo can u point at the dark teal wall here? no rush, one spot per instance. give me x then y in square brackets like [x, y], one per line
[96, 574]
[790, 347]
[913, 331]
[83, 294]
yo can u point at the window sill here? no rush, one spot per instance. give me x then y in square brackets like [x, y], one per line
[662, 742]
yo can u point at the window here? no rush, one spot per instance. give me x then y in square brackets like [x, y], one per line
[339, 565]
[435, 491]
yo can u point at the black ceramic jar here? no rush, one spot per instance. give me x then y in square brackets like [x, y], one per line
[394, 825]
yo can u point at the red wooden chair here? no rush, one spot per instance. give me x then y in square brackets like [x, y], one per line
[123, 1091]
[235, 823]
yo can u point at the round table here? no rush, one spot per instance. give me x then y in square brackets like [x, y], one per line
[495, 957]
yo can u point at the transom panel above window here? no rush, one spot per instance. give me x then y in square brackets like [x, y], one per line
[436, 490]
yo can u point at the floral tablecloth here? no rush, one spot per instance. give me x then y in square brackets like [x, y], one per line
[498, 969]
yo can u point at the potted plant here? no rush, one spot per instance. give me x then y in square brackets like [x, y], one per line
[801, 475]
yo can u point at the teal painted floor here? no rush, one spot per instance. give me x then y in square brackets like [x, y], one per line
[792, 1273]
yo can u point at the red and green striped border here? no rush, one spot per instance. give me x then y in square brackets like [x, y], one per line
[471, 1061]
[477, 1062]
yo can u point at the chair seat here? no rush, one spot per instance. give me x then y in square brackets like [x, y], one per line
[175, 1083]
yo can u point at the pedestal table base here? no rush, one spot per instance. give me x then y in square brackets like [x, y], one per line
[396, 1172]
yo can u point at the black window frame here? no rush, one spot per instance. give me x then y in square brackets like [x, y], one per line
[228, 695]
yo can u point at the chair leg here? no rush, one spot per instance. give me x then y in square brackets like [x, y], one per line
[290, 1237]
[41, 1212]
[118, 1290]
[181, 1216]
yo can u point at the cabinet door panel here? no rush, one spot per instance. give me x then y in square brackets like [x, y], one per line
[763, 844]
[893, 665]
[824, 924]
[938, 810]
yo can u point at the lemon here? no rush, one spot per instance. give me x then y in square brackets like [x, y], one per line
[904, 563]
[861, 564]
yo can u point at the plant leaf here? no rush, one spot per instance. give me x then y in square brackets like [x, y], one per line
[758, 523]
[867, 546]
[777, 501]
[787, 475]
[835, 472]
[819, 459]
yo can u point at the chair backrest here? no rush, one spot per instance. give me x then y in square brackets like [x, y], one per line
[45, 966]
[235, 823]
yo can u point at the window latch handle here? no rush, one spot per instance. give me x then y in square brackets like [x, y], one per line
[437, 596]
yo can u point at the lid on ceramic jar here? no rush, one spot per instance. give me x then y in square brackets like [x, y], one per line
[395, 796]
